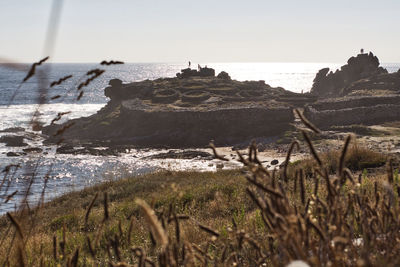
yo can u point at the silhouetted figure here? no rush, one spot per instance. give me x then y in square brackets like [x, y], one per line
[198, 67]
[362, 50]
[190, 64]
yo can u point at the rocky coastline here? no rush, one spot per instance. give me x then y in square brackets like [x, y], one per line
[198, 107]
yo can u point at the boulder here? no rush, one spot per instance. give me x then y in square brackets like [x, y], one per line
[274, 162]
[224, 75]
[13, 140]
[33, 150]
[15, 154]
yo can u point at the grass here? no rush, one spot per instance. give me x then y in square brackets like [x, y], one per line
[205, 197]
[357, 158]
[245, 217]
[360, 130]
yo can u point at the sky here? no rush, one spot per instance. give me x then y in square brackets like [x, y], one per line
[202, 31]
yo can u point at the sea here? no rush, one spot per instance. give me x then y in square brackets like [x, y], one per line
[56, 174]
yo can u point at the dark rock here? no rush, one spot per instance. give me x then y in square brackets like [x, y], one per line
[65, 149]
[115, 82]
[15, 154]
[224, 75]
[360, 92]
[189, 154]
[360, 67]
[274, 162]
[87, 150]
[32, 150]
[207, 72]
[13, 140]
[203, 72]
[13, 130]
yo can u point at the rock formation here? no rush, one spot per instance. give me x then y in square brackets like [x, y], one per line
[331, 84]
[187, 111]
[360, 92]
[202, 72]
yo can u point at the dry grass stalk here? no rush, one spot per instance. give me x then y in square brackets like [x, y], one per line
[212, 146]
[293, 145]
[111, 62]
[307, 122]
[17, 226]
[312, 149]
[155, 226]
[32, 70]
[105, 206]
[90, 208]
[60, 81]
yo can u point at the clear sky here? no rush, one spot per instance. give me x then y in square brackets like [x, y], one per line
[203, 30]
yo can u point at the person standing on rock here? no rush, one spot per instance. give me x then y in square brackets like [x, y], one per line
[190, 64]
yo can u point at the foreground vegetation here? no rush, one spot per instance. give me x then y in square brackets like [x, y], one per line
[324, 210]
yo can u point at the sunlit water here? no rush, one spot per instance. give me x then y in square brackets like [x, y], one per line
[74, 172]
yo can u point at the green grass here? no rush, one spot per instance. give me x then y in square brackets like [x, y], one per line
[218, 221]
[210, 198]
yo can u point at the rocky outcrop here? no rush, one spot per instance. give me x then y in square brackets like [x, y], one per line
[185, 112]
[202, 72]
[332, 84]
[224, 75]
[360, 92]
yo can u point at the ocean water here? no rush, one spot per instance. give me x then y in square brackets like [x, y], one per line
[19, 101]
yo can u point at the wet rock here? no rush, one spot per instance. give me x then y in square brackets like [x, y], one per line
[274, 162]
[33, 150]
[189, 154]
[13, 130]
[65, 149]
[13, 140]
[69, 149]
[15, 154]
